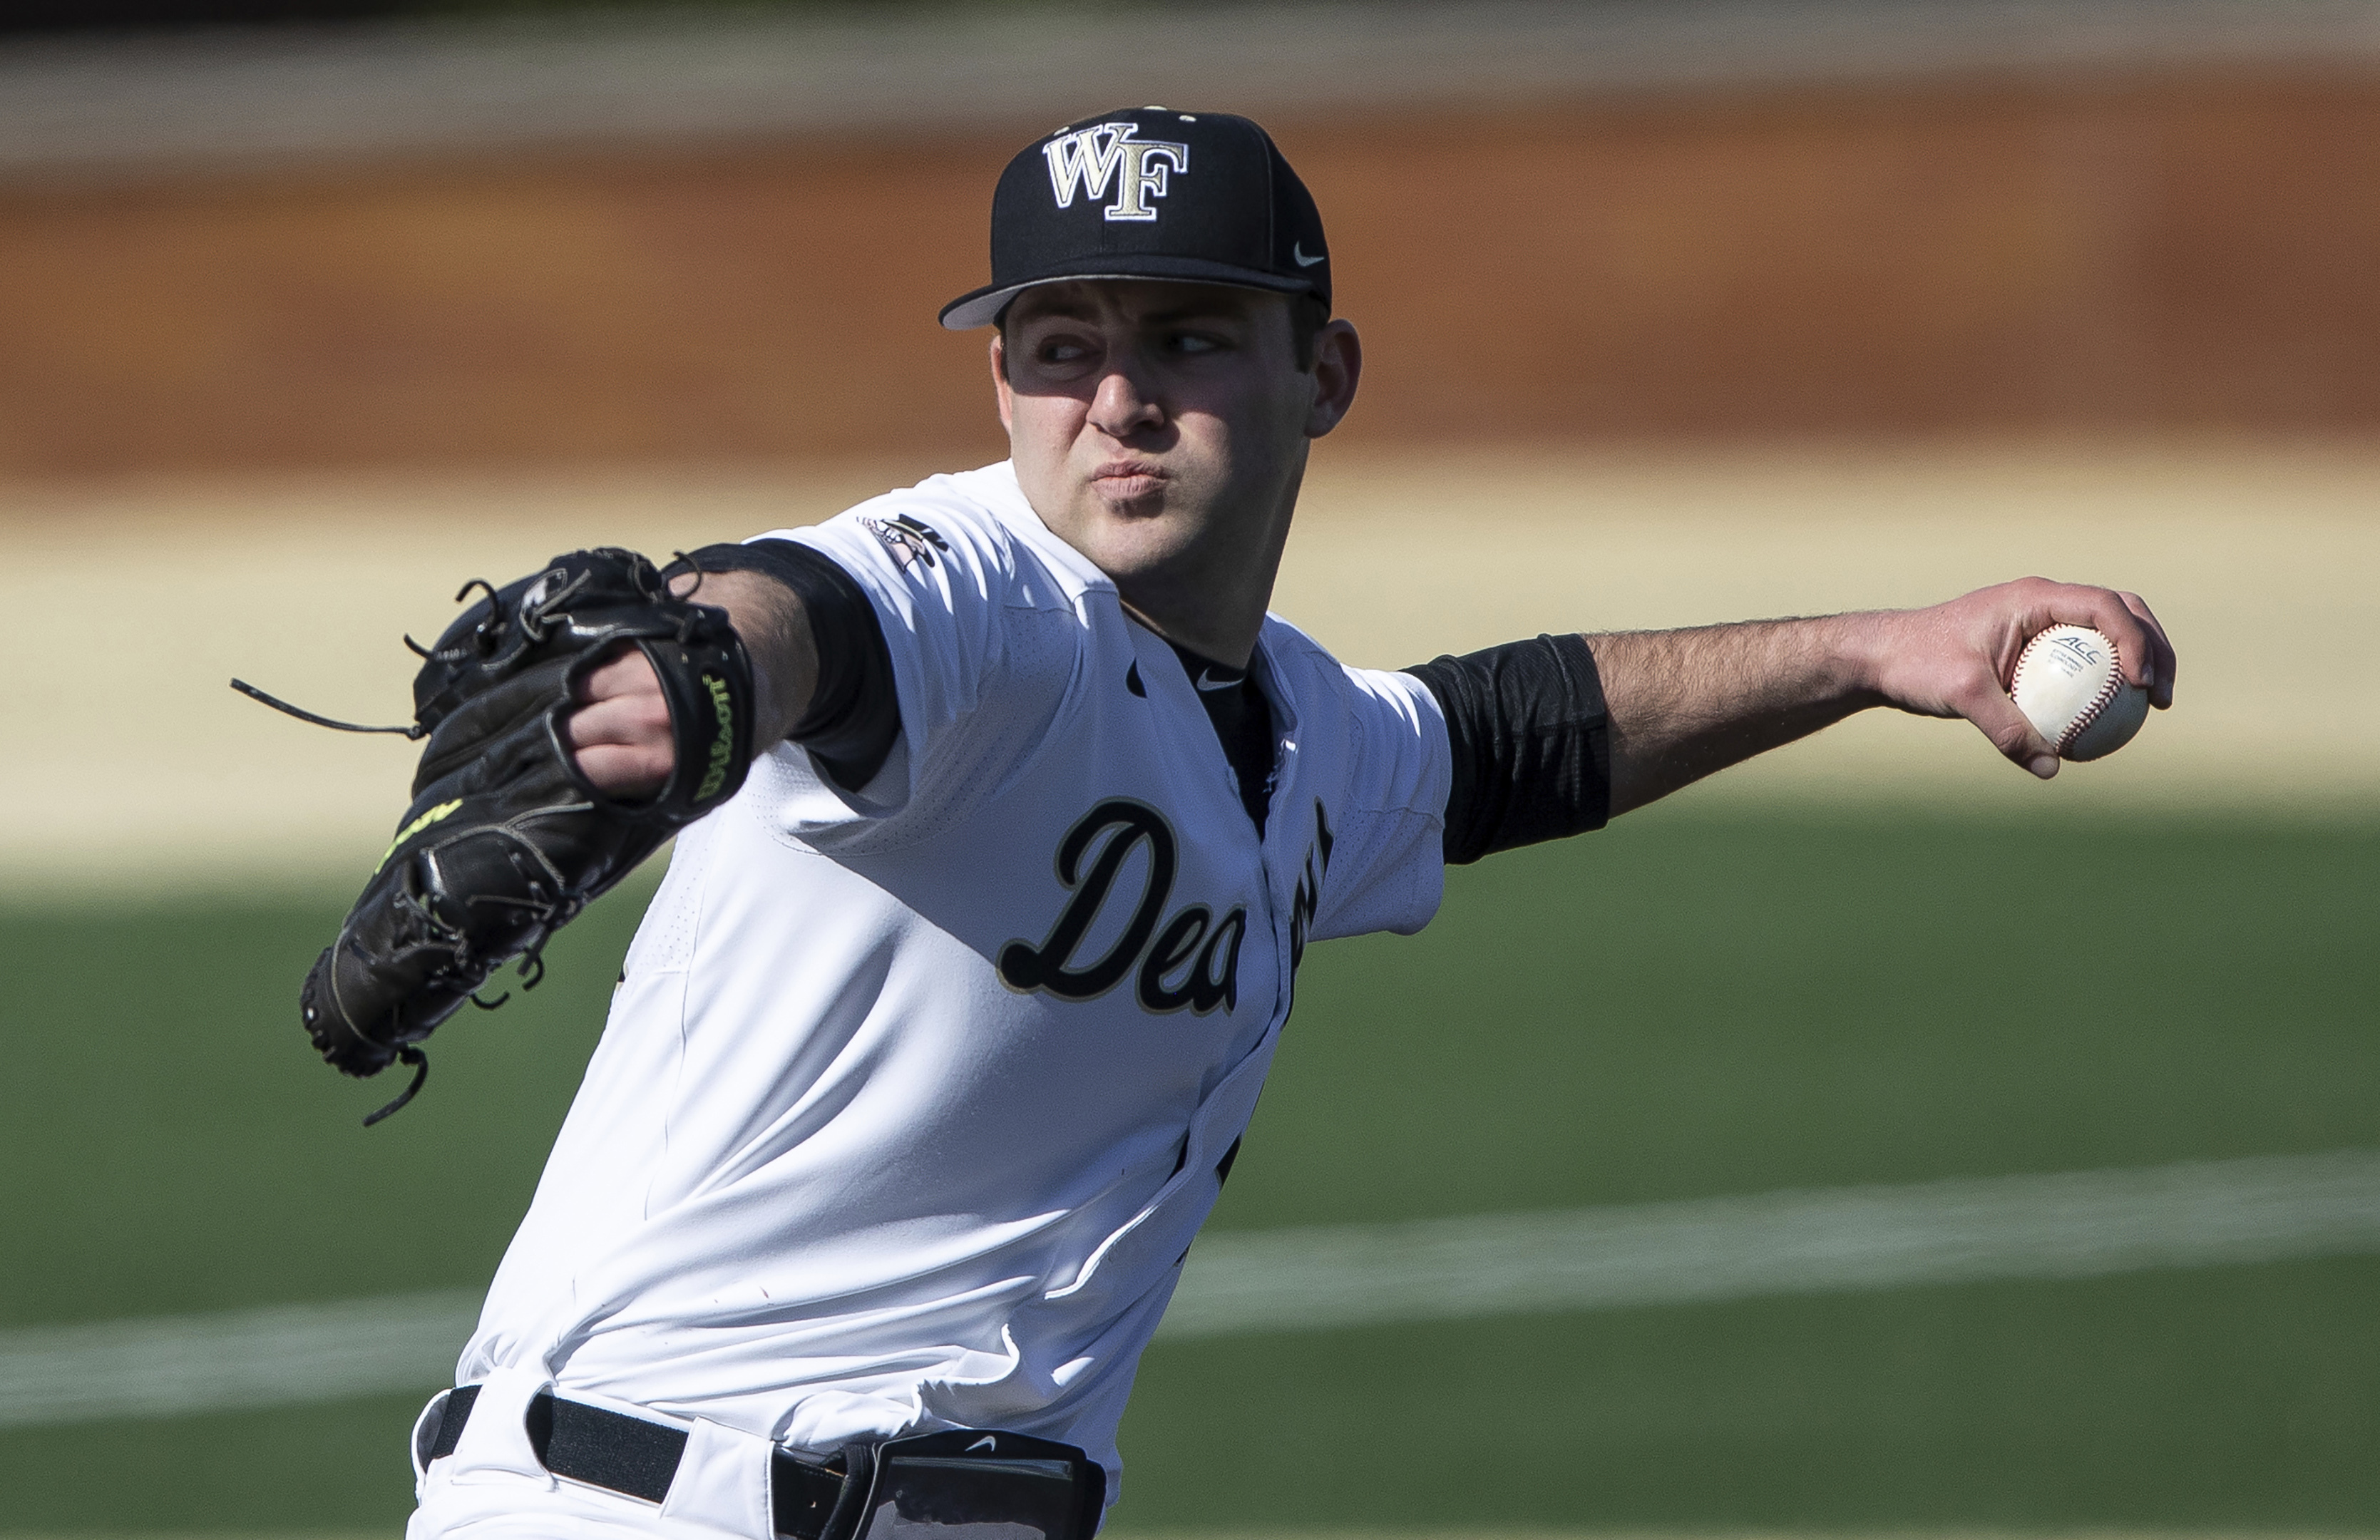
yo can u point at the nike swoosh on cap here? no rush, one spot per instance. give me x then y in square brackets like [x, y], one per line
[1298, 250]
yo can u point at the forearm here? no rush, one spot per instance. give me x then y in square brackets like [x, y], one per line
[777, 637]
[826, 675]
[1685, 703]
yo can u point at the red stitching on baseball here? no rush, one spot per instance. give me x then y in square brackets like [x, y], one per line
[2098, 703]
[2108, 692]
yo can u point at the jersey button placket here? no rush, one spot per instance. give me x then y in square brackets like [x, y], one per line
[1284, 758]
[1283, 850]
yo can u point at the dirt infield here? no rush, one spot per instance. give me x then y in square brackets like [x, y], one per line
[140, 766]
[2255, 561]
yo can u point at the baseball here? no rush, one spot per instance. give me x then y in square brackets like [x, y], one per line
[2070, 686]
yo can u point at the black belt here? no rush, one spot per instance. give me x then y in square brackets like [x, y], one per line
[630, 1455]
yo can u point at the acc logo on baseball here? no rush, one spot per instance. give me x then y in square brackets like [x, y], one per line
[1088, 159]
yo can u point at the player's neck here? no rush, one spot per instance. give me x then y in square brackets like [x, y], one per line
[1231, 645]
[1213, 602]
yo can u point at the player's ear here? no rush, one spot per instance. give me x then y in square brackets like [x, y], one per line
[1337, 368]
[1000, 387]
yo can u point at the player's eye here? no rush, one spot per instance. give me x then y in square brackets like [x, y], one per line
[1062, 351]
[1192, 343]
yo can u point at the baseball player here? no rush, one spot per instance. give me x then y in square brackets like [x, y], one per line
[938, 1041]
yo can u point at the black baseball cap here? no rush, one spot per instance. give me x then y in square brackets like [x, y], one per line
[1149, 192]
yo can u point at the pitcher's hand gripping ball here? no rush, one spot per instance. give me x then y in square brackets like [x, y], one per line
[505, 841]
[2070, 686]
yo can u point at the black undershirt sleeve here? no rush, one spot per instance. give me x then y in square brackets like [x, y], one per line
[1532, 744]
[854, 715]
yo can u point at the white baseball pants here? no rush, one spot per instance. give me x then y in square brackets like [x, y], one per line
[493, 1486]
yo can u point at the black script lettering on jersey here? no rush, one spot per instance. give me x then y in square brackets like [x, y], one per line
[1194, 943]
[1028, 967]
[1195, 960]
[1309, 886]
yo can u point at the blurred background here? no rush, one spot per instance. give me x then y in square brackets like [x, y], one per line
[1870, 1140]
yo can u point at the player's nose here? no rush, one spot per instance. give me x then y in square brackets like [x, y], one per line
[1123, 405]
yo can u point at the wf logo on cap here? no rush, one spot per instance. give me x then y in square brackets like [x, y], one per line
[1088, 159]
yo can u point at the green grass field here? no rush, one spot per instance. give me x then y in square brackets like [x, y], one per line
[1695, 1002]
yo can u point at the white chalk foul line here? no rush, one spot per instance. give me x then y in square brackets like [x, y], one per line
[2077, 1224]
[290, 1354]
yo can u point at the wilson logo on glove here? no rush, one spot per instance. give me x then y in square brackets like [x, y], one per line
[722, 747]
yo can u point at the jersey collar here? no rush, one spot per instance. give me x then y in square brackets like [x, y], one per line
[996, 485]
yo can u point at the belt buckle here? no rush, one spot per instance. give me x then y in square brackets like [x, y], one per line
[999, 1486]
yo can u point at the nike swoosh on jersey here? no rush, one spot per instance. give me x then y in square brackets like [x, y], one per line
[1208, 684]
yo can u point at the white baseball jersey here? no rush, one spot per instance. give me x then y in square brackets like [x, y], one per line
[911, 1101]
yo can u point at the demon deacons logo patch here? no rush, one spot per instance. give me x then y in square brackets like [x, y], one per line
[907, 538]
[1088, 160]
[1191, 960]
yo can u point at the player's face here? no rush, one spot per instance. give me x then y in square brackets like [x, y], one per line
[1161, 429]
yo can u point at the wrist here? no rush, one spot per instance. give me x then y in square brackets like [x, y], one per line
[764, 613]
[1857, 652]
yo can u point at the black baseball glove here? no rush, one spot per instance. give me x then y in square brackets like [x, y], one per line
[505, 841]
